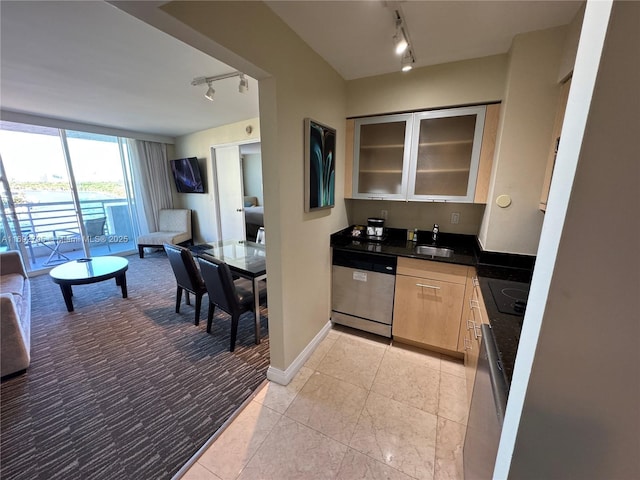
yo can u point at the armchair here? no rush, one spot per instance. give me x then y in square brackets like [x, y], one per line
[174, 227]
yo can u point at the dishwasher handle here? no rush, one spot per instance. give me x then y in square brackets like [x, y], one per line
[498, 382]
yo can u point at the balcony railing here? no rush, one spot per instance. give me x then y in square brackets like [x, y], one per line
[50, 232]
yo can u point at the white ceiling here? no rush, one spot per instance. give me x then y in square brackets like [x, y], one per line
[356, 36]
[92, 63]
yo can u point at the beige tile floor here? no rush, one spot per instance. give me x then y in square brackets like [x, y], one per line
[358, 409]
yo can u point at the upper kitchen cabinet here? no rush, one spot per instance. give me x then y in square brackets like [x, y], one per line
[439, 155]
[446, 154]
[383, 146]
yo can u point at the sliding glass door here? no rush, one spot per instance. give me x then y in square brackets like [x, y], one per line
[69, 191]
[97, 166]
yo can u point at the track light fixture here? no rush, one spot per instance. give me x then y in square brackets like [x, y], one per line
[399, 39]
[244, 84]
[242, 87]
[407, 61]
[210, 92]
[402, 43]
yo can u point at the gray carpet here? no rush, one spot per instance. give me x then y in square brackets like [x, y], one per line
[123, 388]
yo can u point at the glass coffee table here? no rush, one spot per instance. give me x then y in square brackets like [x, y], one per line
[89, 270]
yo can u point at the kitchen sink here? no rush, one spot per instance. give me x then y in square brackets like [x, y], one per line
[434, 251]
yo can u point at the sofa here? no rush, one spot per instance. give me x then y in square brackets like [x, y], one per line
[174, 228]
[15, 314]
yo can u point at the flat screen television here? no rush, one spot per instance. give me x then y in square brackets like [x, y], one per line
[186, 173]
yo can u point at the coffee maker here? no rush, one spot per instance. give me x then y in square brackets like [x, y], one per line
[375, 227]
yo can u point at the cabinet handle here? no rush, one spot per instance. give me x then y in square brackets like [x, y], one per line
[475, 304]
[467, 344]
[476, 329]
[471, 324]
[427, 286]
[475, 282]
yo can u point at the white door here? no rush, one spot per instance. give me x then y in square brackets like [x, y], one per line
[230, 205]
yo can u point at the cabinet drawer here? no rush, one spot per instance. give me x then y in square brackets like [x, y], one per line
[446, 272]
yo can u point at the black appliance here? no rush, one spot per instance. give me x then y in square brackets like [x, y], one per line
[510, 297]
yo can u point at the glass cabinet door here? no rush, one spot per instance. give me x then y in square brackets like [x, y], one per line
[382, 156]
[446, 153]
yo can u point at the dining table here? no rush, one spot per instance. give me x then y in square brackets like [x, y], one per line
[245, 259]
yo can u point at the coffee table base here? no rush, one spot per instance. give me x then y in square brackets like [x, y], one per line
[86, 271]
[67, 293]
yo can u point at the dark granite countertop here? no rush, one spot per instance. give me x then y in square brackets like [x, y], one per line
[395, 243]
[506, 328]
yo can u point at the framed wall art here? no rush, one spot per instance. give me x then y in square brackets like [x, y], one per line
[319, 165]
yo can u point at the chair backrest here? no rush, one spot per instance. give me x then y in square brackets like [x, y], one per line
[219, 282]
[174, 220]
[184, 267]
[95, 227]
[260, 238]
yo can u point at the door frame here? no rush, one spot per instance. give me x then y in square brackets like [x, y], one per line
[214, 172]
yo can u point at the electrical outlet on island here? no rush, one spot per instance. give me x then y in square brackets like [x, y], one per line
[455, 218]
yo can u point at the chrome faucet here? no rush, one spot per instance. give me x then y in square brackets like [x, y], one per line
[434, 232]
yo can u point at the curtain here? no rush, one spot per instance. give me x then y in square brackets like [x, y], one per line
[151, 181]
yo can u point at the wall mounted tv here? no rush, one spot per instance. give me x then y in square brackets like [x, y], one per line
[186, 173]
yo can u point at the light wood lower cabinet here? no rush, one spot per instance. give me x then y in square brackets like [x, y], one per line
[428, 305]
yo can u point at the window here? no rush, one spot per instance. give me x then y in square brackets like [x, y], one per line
[65, 194]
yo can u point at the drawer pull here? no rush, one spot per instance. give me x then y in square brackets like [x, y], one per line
[467, 344]
[475, 282]
[471, 324]
[476, 329]
[474, 303]
[427, 286]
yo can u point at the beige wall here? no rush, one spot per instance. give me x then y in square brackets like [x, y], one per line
[574, 407]
[199, 145]
[524, 139]
[252, 176]
[480, 80]
[299, 84]
[570, 48]
[418, 215]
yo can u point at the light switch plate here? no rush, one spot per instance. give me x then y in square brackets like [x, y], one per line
[455, 218]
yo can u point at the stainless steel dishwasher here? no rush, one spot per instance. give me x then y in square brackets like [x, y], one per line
[363, 286]
[488, 404]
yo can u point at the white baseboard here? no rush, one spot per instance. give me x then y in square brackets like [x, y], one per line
[283, 377]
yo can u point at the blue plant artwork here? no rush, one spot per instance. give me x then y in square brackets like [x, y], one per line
[322, 167]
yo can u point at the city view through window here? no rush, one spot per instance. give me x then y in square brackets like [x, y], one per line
[70, 192]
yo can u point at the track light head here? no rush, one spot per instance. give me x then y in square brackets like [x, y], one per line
[210, 92]
[407, 61]
[244, 84]
[400, 42]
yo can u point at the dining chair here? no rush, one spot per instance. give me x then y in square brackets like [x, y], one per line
[187, 276]
[260, 237]
[229, 296]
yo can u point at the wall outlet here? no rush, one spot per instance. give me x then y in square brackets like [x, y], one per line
[383, 214]
[455, 218]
